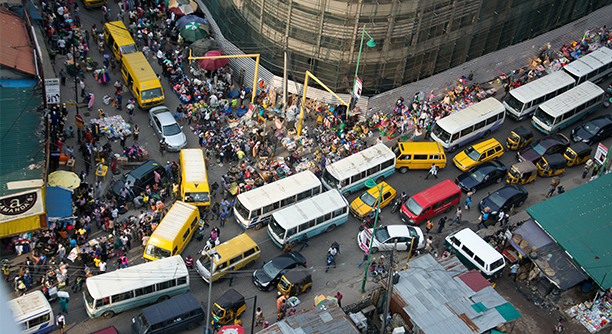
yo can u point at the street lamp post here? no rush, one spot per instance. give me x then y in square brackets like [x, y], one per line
[371, 184]
[371, 43]
[211, 254]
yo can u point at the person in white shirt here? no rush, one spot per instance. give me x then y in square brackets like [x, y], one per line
[102, 267]
[60, 322]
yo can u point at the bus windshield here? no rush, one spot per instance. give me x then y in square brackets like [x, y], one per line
[196, 197]
[88, 299]
[514, 103]
[242, 211]
[151, 93]
[544, 117]
[442, 134]
[330, 179]
[277, 229]
[156, 252]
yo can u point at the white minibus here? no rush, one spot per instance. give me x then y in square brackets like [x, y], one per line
[321, 213]
[124, 289]
[473, 122]
[476, 253]
[595, 67]
[523, 101]
[254, 208]
[32, 313]
[350, 174]
[565, 109]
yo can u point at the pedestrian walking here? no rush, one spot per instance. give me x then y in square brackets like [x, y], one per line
[429, 226]
[78, 284]
[338, 296]
[483, 218]
[441, 224]
[223, 217]
[60, 322]
[457, 216]
[215, 186]
[551, 190]
[514, 270]
[363, 260]
[162, 146]
[64, 304]
[259, 317]
[63, 76]
[468, 200]
[287, 248]
[433, 171]
[304, 241]
[136, 132]
[189, 262]
[429, 244]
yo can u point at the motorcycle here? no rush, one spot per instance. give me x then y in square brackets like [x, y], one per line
[330, 260]
[368, 221]
[398, 204]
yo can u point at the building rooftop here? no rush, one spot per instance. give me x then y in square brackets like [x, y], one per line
[325, 318]
[15, 45]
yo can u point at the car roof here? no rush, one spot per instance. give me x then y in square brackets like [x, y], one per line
[509, 190]
[489, 166]
[165, 117]
[603, 119]
[144, 169]
[398, 230]
[288, 258]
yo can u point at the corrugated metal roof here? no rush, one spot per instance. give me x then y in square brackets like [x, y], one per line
[15, 46]
[438, 301]
[317, 320]
[579, 222]
[474, 280]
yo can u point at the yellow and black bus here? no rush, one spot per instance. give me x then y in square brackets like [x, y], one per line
[119, 39]
[142, 81]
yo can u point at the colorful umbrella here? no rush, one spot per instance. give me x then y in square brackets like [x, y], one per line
[193, 31]
[215, 63]
[320, 299]
[102, 75]
[91, 100]
[201, 46]
[232, 329]
[183, 21]
[62, 178]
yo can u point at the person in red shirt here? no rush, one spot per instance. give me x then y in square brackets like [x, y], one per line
[189, 262]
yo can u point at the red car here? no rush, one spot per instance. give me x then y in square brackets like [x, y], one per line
[556, 143]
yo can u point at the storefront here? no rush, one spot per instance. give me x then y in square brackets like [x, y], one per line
[22, 211]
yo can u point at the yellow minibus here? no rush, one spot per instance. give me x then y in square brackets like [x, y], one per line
[193, 179]
[142, 81]
[173, 233]
[118, 38]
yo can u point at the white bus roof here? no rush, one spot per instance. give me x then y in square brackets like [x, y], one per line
[310, 209]
[457, 121]
[469, 237]
[32, 305]
[571, 99]
[360, 161]
[542, 86]
[194, 165]
[174, 221]
[590, 62]
[138, 276]
[278, 190]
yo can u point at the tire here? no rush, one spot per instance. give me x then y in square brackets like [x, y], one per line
[394, 208]
[162, 299]
[330, 228]
[403, 170]
[520, 204]
[486, 134]
[249, 265]
[454, 148]
[293, 243]
[271, 287]
[448, 209]
[193, 326]
[258, 226]
[380, 179]
[307, 290]
[108, 314]
[499, 180]
[374, 250]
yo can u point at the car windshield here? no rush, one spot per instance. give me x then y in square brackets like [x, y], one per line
[127, 49]
[414, 207]
[156, 252]
[204, 261]
[382, 234]
[476, 174]
[442, 134]
[514, 172]
[330, 179]
[591, 127]
[151, 93]
[497, 199]
[472, 153]
[197, 197]
[413, 232]
[368, 199]
[270, 270]
[538, 147]
[142, 323]
[172, 129]
[514, 137]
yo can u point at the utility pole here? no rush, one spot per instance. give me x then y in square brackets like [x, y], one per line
[285, 75]
[76, 89]
[389, 289]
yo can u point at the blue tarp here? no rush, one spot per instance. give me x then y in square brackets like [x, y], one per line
[58, 202]
[32, 10]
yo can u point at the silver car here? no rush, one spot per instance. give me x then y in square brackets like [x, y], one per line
[165, 126]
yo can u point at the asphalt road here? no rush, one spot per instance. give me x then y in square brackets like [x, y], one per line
[346, 278]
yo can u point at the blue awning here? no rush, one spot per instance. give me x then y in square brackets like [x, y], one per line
[58, 203]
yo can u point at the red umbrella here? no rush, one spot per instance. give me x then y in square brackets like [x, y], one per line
[233, 329]
[215, 63]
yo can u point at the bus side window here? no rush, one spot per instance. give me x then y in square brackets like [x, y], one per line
[291, 232]
[312, 223]
[194, 222]
[328, 216]
[316, 191]
[387, 163]
[303, 195]
[249, 252]
[491, 120]
[320, 220]
[186, 234]
[338, 212]
[122, 296]
[236, 259]
[175, 250]
[304, 227]
[455, 136]
[181, 280]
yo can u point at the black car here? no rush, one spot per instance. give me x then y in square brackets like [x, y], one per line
[594, 130]
[266, 278]
[481, 176]
[504, 198]
[141, 177]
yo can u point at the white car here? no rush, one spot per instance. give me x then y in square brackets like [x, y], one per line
[165, 126]
[385, 237]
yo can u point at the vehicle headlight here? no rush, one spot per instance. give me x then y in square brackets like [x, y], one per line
[264, 284]
[494, 213]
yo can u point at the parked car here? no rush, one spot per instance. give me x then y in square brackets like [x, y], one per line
[139, 178]
[594, 130]
[552, 144]
[365, 203]
[504, 199]
[266, 278]
[385, 237]
[481, 176]
[165, 126]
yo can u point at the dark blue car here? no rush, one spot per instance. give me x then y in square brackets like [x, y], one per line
[481, 176]
[266, 278]
[504, 199]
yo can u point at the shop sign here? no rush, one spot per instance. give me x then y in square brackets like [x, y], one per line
[20, 205]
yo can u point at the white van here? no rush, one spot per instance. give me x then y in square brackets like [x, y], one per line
[476, 253]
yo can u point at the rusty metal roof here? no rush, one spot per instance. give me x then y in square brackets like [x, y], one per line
[15, 45]
[474, 280]
[322, 319]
